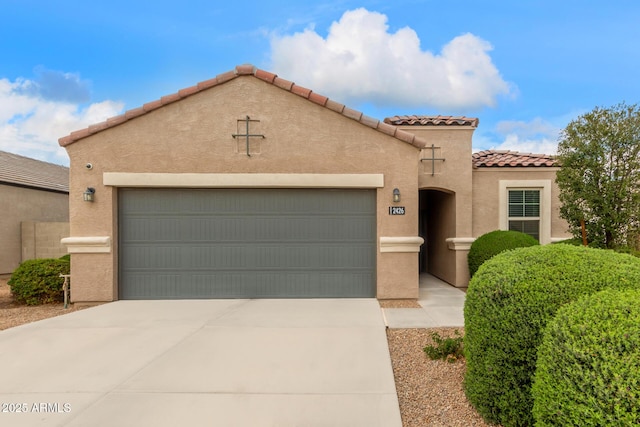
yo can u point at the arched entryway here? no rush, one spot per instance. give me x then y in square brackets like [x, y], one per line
[437, 222]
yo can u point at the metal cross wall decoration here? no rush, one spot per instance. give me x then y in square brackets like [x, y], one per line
[433, 159]
[247, 134]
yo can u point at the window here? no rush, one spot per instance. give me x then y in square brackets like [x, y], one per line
[525, 205]
[524, 212]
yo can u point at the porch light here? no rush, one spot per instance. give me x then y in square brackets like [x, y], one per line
[87, 196]
[396, 195]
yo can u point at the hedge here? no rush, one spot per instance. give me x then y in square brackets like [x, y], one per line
[588, 369]
[491, 244]
[509, 302]
[38, 281]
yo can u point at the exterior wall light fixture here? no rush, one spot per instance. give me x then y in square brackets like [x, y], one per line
[87, 196]
[396, 195]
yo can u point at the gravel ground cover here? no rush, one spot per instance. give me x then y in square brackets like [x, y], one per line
[429, 392]
[12, 314]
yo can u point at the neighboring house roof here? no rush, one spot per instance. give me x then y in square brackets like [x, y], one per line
[250, 70]
[30, 173]
[505, 158]
[432, 121]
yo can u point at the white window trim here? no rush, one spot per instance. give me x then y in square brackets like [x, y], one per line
[544, 186]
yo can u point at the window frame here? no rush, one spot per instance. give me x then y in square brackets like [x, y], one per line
[524, 218]
[544, 187]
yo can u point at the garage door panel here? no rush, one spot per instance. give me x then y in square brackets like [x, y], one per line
[256, 257]
[192, 243]
[249, 228]
[234, 284]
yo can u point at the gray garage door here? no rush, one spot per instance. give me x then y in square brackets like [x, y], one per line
[246, 243]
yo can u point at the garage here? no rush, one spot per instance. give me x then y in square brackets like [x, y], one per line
[246, 243]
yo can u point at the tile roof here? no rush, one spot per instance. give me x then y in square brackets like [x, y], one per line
[248, 70]
[432, 121]
[505, 158]
[25, 172]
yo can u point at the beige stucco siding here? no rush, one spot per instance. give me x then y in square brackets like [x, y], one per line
[486, 197]
[448, 204]
[194, 136]
[25, 204]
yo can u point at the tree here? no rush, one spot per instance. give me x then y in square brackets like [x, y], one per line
[599, 178]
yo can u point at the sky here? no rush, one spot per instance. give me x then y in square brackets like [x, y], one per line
[524, 68]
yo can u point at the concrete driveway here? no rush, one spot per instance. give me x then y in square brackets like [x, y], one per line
[316, 362]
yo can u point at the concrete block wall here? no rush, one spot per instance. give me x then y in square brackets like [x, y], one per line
[42, 239]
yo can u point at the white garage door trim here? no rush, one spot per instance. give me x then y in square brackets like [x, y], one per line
[243, 180]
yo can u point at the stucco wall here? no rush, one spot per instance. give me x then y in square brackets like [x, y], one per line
[448, 186]
[42, 239]
[25, 204]
[194, 135]
[486, 205]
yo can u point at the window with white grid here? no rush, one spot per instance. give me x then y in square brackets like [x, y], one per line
[524, 212]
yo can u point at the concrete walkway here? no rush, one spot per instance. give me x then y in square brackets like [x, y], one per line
[442, 305]
[202, 363]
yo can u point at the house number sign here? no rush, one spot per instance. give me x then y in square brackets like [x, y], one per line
[396, 210]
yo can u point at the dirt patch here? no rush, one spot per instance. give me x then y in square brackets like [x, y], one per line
[12, 314]
[399, 303]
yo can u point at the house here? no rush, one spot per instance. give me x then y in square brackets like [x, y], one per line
[250, 186]
[35, 202]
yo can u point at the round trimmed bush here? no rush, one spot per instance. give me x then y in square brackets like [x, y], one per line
[38, 281]
[588, 369]
[491, 244]
[509, 302]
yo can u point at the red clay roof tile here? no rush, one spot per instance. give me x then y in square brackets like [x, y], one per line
[188, 91]
[300, 91]
[369, 121]
[505, 158]
[150, 106]
[432, 121]
[318, 99]
[387, 128]
[351, 113]
[335, 106]
[265, 75]
[225, 77]
[282, 83]
[207, 83]
[130, 114]
[245, 69]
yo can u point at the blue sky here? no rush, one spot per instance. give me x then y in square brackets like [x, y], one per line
[524, 68]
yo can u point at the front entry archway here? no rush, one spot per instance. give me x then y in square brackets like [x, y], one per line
[437, 222]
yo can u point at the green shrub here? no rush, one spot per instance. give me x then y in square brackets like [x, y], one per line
[66, 257]
[509, 302]
[588, 369]
[491, 244]
[38, 281]
[449, 349]
[573, 241]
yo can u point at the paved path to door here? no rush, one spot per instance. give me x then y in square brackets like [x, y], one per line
[202, 363]
[442, 305]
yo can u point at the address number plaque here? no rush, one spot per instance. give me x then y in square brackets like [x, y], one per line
[396, 210]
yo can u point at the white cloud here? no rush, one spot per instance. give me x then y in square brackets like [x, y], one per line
[30, 125]
[361, 61]
[537, 136]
